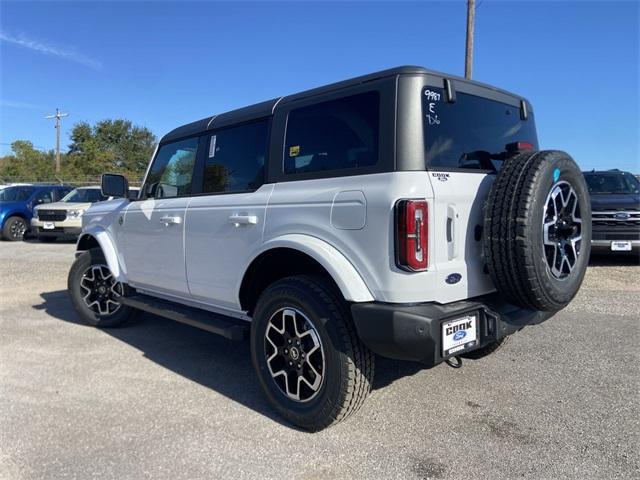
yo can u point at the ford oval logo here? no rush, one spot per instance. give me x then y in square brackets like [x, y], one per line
[453, 278]
[459, 335]
[622, 215]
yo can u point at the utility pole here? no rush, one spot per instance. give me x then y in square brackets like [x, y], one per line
[468, 59]
[58, 116]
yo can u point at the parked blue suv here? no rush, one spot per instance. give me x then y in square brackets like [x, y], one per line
[17, 202]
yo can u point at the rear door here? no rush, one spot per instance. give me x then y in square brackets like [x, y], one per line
[466, 141]
[224, 225]
[152, 231]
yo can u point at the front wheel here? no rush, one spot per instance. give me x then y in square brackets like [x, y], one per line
[95, 292]
[14, 229]
[310, 362]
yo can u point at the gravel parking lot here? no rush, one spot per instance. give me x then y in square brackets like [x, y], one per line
[157, 399]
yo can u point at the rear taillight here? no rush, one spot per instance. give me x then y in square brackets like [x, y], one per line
[411, 235]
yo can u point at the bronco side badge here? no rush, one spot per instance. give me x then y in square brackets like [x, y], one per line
[453, 278]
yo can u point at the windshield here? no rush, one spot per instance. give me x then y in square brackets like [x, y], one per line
[472, 132]
[84, 195]
[603, 183]
[15, 194]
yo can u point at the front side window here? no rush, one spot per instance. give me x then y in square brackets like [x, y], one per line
[235, 158]
[333, 135]
[15, 194]
[472, 132]
[172, 170]
[44, 196]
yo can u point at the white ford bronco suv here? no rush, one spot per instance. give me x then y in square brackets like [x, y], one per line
[404, 213]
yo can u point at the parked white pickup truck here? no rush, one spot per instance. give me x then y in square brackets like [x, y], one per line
[405, 213]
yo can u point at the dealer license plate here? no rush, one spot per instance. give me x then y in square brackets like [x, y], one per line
[48, 226]
[459, 334]
[621, 246]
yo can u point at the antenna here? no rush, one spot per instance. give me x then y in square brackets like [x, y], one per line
[57, 116]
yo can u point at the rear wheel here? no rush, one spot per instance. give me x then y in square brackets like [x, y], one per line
[95, 292]
[310, 362]
[14, 229]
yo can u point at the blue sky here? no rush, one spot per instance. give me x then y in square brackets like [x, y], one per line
[162, 64]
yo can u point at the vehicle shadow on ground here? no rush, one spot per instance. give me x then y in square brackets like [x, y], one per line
[203, 357]
[32, 239]
[610, 260]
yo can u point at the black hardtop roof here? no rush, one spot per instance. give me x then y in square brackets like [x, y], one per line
[266, 108]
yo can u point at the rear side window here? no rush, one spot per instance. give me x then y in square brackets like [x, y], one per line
[333, 135]
[236, 157]
[172, 170]
[473, 132]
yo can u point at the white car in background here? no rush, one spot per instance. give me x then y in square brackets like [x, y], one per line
[64, 218]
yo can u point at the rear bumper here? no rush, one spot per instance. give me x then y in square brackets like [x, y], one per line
[413, 332]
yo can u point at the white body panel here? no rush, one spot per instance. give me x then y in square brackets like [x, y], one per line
[221, 234]
[456, 220]
[151, 242]
[345, 223]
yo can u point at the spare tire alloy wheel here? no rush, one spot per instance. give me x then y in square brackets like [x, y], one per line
[537, 230]
[562, 230]
[100, 291]
[294, 354]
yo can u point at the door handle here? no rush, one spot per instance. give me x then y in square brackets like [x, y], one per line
[452, 231]
[242, 219]
[171, 220]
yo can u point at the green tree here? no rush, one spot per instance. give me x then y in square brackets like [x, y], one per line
[111, 145]
[27, 163]
[115, 146]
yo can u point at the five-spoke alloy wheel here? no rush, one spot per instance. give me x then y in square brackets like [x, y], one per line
[562, 230]
[95, 292]
[294, 354]
[310, 362]
[101, 291]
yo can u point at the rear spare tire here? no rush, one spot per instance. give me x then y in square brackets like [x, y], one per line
[537, 226]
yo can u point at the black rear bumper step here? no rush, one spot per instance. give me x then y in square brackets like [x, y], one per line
[228, 327]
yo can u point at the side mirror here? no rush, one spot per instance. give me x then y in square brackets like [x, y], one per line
[114, 185]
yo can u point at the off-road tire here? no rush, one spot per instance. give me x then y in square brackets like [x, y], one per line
[513, 230]
[91, 257]
[10, 224]
[349, 365]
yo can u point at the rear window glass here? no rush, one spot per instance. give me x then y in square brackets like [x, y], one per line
[333, 135]
[473, 132]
